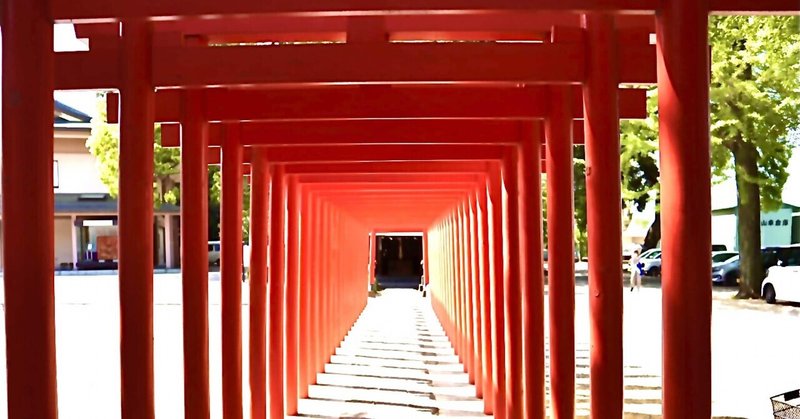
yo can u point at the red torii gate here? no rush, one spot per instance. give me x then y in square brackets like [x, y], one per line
[128, 64]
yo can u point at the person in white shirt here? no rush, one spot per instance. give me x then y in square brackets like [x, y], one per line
[636, 276]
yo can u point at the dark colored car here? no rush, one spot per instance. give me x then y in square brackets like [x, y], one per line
[719, 248]
[728, 273]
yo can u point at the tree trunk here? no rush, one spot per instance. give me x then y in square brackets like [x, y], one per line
[654, 233]
[748, 221]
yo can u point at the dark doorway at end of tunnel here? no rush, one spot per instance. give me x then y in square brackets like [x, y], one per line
[399, 263]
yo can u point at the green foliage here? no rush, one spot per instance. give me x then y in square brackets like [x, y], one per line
[639, 148]
[215, 196]
[579, 176]
[755, 96]
[103, 143]
[167, 170]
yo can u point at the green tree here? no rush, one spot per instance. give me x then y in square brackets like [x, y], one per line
[214, 196]
[579, 176]
[755, 101]
[103, 143]
[639, 164]
[640, 184]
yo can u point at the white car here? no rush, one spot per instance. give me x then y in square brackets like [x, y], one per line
[651, 262]
[783, 281]
[214, 253]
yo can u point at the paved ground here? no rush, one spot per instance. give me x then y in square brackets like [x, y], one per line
[755, 349]
[396, 362]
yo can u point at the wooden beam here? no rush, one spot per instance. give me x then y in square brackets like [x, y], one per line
[280, 28]
[377, 102]
[401, 63]
[99, 10]
[369, 132]
[372, 153]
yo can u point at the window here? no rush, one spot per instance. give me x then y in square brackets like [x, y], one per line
[790, 256]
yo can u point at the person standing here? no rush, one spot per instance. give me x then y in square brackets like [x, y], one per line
[636, 275]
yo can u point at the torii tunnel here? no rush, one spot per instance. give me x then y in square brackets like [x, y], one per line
[354, 118]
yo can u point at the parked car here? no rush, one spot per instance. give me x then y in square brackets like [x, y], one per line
[724, 268]
[648, 252]
[722, 257]
[719, 248]
[213, 253]
[728, 273]
[650, 262]
[783, 280]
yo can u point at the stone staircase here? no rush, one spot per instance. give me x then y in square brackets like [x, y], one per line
[396, 362]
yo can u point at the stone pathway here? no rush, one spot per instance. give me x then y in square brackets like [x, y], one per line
[396, 362]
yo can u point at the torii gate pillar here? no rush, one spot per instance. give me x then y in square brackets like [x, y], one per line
[136, 221]
[28, 68]
[683, 85]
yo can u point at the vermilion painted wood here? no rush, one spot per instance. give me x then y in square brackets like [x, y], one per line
[683, 76]
[560, 254]
[97, 10]
[531, 275]
[259, 243]
[603, 203]
[254, 28]
[458, 278]
[373, 258]
[316, 273]
[305, 360]
[512, 288]
[495, 221]
[686, 204]
[327, 275]
[454, 289]
[366, 132]
[475, 312]
[379, 102]
[467, 280]
[485, 299]
[373, 153]
[231, 275]
[136, 224]
[276, 331]
[292, 334]
[325, 315]
[375, 132]
[388, 178]
[422, 168]
[194, 259]
[27, 161]
[316, 65]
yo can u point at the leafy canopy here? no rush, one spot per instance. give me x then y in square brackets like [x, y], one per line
[755, 96]
[103, 143]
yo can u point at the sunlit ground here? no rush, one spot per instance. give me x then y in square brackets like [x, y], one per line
[399, 348]
[396, 362]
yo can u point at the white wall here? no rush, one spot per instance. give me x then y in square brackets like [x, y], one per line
[723, 230]
[63, 240]
[77, 168]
